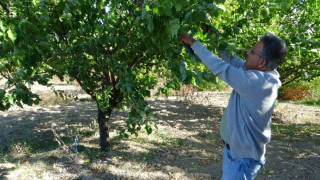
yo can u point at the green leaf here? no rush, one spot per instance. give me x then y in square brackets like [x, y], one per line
[21, 73]
[148, 129]
[195, 59]
[12, 34]
[19, 104]
[37, 101]
[67, 9]
[156, 10]
[187, 17]
[2, 27]
[147, 8]
[273, 5]
[11, 100]
[213, 10]
[174, 26]
[178, 6]
[198, 16]
[199, 77]
[150, 24]
[231, 47]
[194, 82]
[182, 66]
[144, 13]
[125, 135]
[284, 5]
[264, 13]
[2, 93]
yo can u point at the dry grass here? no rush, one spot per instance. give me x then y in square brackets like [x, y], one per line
[295, 93]
[52, 99]
[186, 144]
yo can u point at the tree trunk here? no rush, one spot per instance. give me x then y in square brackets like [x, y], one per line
[104, 128]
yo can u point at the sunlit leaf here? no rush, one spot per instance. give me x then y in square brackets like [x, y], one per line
[12, 34]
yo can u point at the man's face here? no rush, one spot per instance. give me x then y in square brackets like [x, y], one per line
[254, 60]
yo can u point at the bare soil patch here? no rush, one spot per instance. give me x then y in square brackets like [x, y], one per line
[186, 145]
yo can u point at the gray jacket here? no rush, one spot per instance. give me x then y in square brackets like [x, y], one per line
[251, 103]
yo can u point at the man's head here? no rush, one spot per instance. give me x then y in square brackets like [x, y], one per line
[267, 54]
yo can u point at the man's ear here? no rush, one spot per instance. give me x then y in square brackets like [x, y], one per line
[262, 66]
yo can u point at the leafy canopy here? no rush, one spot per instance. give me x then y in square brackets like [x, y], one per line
[118, 50]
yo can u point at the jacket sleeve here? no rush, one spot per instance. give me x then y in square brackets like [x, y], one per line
[234, 61]
[238, 78]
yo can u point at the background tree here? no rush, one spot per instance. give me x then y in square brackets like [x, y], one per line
[117, 50]
[295, 21]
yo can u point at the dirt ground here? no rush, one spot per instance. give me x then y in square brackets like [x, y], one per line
[186, 145]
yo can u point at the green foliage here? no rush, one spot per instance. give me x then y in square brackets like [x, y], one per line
[315, 89]
[219, 86]
[295, 21]
[116, 55]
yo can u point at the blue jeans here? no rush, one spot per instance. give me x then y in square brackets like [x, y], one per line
[239, 169]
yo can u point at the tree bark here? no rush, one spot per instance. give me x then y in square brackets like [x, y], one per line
[104, 128]
[104, 117]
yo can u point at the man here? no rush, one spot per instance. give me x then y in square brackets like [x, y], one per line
[245, 125]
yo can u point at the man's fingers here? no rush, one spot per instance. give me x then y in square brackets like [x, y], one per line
[184, 38]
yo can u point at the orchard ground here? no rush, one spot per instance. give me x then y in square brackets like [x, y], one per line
[186, 144]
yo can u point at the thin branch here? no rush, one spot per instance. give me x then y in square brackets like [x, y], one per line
[5, 8]
[298, 67]
[113, 79]
[9, 71]
[138, 59]
[122, 19]
[288, 82]
[86, 90]
[3, 75]
[105, 73]
[57, 54]
[59, 140]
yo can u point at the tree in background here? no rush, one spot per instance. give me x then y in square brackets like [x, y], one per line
[295, 21]
[117, 50]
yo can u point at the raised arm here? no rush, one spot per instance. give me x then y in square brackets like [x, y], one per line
[234, 61]
[237, 77]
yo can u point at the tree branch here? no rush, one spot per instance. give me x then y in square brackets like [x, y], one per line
[5, 8]
[59, 140]
[316, 62]
[3, 75]
[122, 19]
[104, 72]
[290, 81]
[55, 54]
[113, 79]
[138, 59]
[86, 90]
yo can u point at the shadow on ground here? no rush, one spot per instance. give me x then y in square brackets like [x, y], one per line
[187, 144]
[28, 139]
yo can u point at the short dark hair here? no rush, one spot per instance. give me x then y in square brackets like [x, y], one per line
[274, 50]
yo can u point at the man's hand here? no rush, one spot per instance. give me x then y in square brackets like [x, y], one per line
[186, 38]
